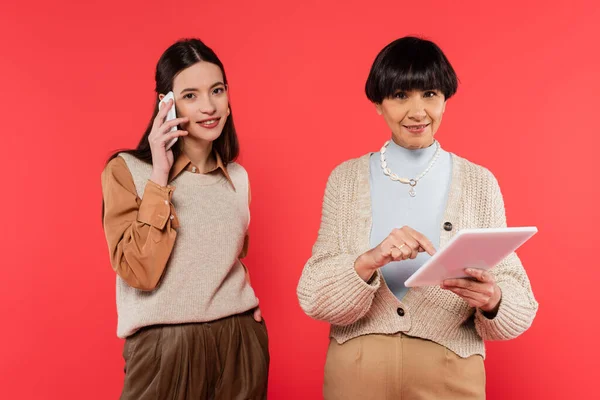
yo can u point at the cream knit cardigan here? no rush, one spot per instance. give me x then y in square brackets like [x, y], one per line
[331, 290]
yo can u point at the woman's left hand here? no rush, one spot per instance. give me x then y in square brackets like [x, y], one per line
[481, 291]
[257, 315]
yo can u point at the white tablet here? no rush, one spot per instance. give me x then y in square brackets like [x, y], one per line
[470, 248]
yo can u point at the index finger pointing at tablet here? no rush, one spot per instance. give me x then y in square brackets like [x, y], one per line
[425, 243]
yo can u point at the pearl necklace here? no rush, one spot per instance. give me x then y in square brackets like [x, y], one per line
[412, 182]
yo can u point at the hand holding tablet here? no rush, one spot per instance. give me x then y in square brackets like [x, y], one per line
[478, 249]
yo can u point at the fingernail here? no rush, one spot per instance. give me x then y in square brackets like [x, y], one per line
[469, 270]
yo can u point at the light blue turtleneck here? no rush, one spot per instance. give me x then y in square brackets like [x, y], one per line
[392, 206]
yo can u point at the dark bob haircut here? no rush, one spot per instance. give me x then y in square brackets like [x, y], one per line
[410, 63]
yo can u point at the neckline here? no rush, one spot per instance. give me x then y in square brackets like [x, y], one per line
[207, 179]
[398, 155]
[365, 205]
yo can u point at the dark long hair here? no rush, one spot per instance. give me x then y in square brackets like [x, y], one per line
[179, 56]
[176, 58]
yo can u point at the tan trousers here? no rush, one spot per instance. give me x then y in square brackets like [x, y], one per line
[400, 367]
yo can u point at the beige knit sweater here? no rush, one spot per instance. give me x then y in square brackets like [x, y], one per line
[331, 290]
[204, 279]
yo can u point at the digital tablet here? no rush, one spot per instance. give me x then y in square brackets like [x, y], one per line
[470, 248]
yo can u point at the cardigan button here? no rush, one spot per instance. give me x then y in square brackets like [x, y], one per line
[447, 226]
[400, 311]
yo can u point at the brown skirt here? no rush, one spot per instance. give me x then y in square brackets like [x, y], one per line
[222, 359]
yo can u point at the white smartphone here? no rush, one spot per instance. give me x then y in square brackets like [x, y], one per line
[170, 115]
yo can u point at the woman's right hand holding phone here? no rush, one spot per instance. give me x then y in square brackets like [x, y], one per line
[400, 244]
[160, 136]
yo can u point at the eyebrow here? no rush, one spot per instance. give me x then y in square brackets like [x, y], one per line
[196, 90]
[416, 90]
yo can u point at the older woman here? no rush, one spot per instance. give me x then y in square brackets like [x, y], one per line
[384, 214]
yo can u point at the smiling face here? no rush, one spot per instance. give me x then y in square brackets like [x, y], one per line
[413, 116]
[201, 95]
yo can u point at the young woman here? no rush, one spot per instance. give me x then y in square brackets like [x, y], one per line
[384, 214]
[176, 222]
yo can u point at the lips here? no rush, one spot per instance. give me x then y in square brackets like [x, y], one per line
[420, 128]
[416, 127]
[209, 123]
